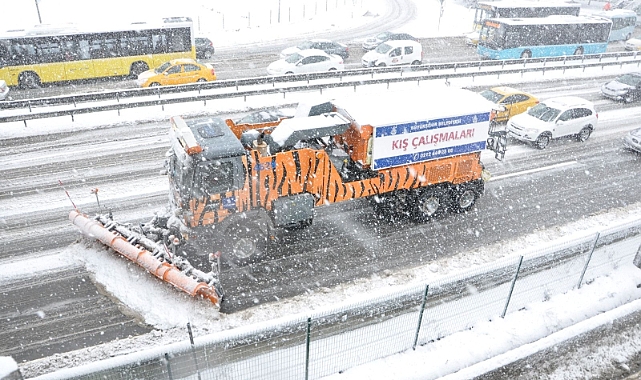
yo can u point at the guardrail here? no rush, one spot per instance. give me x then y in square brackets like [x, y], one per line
[330, 341]
[86, 103]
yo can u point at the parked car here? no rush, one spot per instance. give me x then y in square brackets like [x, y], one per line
[510, 101]
[391, 53]
[4, 90]
[204, 48]
[632, 140]
[329, 47]
[553, 118]
[373, 42]
[626, 87]
[306, 61]
[177, 71]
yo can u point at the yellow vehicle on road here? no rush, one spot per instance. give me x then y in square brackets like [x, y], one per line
[510, 101]
[177, 71]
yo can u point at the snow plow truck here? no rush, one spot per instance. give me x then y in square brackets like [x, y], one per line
[235, 186]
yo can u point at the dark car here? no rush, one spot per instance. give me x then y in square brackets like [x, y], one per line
[373, 42]
[204, 48]
[328, 46]
[626, 87]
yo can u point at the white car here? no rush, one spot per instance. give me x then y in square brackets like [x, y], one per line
[4, 90]
[392, 53]
[328, 46]
[633, 44]
[306, 61]
[553, 118]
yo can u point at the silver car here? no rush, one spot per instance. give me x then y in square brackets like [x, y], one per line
[626, 87]
[632, 140]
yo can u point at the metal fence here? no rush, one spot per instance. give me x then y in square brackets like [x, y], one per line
[324, 343]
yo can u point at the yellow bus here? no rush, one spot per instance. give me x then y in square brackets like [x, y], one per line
[47, 54]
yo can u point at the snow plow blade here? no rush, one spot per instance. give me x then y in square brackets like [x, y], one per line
[128, 244]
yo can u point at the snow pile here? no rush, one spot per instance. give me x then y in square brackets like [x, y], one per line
[168, 310]
[7, 365]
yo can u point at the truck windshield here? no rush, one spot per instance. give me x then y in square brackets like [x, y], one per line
[215, 177]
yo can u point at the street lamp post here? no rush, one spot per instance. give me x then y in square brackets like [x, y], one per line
[38, 10]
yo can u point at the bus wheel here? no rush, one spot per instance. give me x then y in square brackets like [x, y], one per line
[138, 68]
[526, 54]
[29, 80]
[578, 51]
[155, 84]
[201, 80]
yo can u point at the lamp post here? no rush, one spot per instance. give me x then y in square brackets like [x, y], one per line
[38, 10]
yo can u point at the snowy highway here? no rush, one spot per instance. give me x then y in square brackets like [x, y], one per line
[530, 190]
[53, 302]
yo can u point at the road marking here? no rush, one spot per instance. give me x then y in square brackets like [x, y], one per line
[555, 166]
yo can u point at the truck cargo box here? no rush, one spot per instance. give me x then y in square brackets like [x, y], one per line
[441, 122]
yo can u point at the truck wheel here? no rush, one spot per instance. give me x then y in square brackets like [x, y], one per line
[429, 203]
[465, 197]
[245, 244]
[391, 207]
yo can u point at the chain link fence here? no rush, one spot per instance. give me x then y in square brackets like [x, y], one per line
[309, 347]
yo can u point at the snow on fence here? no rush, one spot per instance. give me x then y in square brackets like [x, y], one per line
[347, 335]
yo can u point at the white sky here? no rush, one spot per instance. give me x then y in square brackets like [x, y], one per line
[490, 343]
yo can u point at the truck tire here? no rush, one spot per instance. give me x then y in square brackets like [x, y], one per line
[244, 244]
[429, 203]
[465, 197]
[391, 207]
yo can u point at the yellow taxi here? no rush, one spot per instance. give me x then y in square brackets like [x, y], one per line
[510, 101]
[177, 71]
